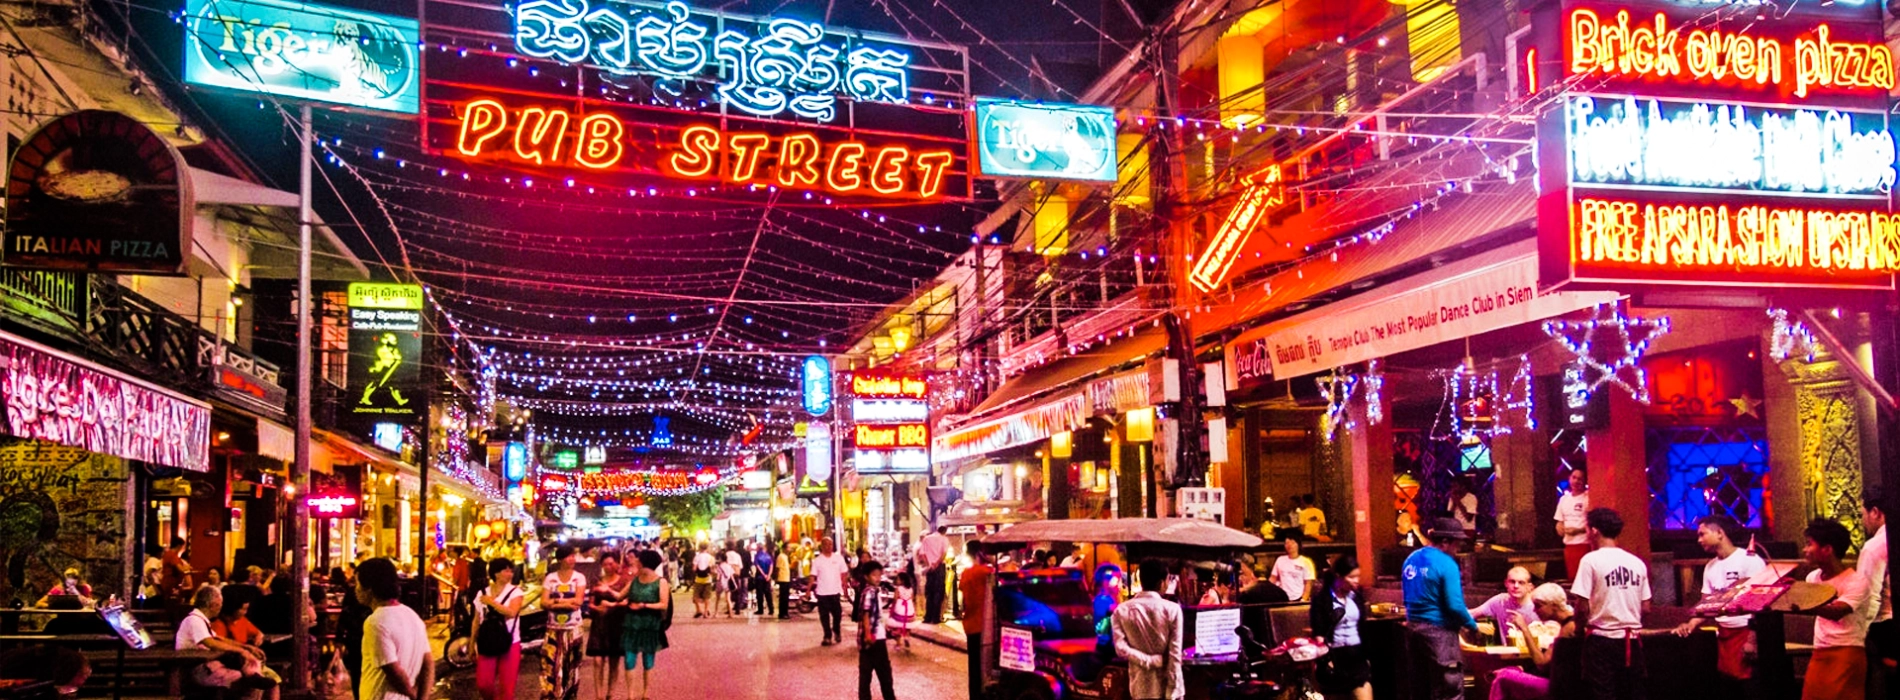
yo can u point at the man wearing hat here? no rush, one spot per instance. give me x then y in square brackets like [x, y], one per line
[1435, 611]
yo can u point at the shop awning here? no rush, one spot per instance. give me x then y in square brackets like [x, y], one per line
[1070, 371]
[1486, 292]
[56, 397]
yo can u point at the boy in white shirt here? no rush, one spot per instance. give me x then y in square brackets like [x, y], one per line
[1838, 668]
[1613, 586]
[1731, 566]
[1294, 572]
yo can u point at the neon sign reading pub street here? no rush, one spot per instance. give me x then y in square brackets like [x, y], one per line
[550, 136]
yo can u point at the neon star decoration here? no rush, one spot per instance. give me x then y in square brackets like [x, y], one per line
[779, 66]
[1610, 347]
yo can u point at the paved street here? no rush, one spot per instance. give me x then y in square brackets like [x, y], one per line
[781, 660]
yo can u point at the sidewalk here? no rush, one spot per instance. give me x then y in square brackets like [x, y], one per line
[949, 634]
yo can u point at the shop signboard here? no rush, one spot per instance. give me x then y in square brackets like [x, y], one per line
[1455, 302]
[304, 51]
[1016, 649]
[1045, 141]
[51, 396]
[514, 462]
[1716, 147]
[97, 191]
[385, 377]
[243, 380]
[594, 454]
[815, 380]
[566, 459]
[338, 494]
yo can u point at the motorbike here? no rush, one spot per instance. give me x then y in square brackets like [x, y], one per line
[804, 598]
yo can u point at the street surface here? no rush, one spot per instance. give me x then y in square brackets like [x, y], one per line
[745, 657]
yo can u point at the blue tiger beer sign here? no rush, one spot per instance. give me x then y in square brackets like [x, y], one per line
[304, 51]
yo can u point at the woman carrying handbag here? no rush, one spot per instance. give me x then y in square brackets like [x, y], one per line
[498, 634]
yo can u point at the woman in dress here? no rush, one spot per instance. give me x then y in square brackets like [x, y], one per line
[603, 635]
[648, 604]
[1338, 606]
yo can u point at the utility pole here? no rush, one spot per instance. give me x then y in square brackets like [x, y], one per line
[300, 462]
[1179, 244]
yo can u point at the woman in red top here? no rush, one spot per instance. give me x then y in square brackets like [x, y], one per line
[69, 584]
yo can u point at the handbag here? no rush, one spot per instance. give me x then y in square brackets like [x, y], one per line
[492, 636]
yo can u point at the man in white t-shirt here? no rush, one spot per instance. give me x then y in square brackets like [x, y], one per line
[1294, 572]
[396, 660]
[1730, 566]
[830, 574]
[1882, 643]
[1571, 508]
[1612, 585]
[1838, 668]
[932, 550]
[238, 666]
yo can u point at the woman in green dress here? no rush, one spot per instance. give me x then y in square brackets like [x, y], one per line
[648, 603]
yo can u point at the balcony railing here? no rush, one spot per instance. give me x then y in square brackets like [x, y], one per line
[126, 329]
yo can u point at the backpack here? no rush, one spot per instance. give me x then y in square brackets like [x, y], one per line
[493, 636]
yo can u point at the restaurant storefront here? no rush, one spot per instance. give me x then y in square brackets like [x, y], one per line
[81, 444]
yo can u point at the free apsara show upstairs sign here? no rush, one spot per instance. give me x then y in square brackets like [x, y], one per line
[1697, 143]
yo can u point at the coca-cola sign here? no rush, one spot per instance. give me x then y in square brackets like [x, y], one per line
[1251, 362]
[53, 397]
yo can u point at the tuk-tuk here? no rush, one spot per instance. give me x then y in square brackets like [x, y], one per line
[1044, 642]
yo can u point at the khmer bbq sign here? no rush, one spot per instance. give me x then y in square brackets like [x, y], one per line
[1710, 145]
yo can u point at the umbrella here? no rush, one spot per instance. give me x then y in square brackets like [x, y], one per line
[1163, 536]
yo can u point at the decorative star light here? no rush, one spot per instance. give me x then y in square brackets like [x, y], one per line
[1746, 405]
[1612, 346]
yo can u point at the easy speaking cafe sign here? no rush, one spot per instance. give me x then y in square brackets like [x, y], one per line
[1480, 300]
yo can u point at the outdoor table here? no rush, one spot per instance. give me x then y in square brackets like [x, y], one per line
[74, 640]
[10, 617]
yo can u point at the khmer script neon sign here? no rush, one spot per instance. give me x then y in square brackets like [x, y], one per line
[764, 67]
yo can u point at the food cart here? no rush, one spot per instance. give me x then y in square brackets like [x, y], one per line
[1043, 637]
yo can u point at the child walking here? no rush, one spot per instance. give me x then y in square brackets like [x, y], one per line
[904, 608]
[874, 654]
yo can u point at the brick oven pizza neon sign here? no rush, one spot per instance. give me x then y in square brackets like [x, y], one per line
[1717, 148]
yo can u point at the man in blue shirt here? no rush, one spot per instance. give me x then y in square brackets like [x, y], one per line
[1435, 611]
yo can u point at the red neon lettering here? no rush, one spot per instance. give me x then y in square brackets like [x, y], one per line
[481, 120]
[932, 165]
[746, 149]
[842, 173]
[538, 134]
[699, 151]
[599, 144]
[887, 169]
[1655, 50]
[1826, 63]
[798, 160]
